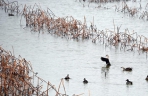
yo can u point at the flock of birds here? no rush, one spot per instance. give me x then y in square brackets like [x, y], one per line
[128, 82]
[108, 64]
[84, 81]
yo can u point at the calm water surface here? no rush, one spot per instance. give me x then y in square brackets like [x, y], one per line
[54, 57]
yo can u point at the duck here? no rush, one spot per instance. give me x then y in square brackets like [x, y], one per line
[85, 81]
[67, 77]
[146, 78]
[10, 14]
[129, 82]
[36, 73]
[127, 69]
[106, 59]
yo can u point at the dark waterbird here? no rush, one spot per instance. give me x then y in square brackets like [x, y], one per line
[127, 69]
[146, 78]
[10, 14]
[85, 81]
[67, 77]
[106, 59]
[129, 82]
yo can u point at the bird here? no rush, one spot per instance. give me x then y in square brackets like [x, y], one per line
[146, 78]
[106, 59]
[85, 81]
[127, 69]
[129, 82]
[10, 14]
[36, 73]
[67, 77]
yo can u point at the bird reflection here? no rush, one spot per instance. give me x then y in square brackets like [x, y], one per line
[105, 70]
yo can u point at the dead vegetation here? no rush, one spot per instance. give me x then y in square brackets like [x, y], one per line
[68, 27]
[139, 11]
[18, 78]
[16, 74]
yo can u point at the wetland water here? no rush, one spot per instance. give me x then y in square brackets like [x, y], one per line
[54, 57]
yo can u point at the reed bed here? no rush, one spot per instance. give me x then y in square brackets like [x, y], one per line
[70, 28]
[139, 12]
[134, 12]
[16, 74]
[18, 78]
[101, 1]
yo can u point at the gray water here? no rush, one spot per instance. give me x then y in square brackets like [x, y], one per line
[54, 57]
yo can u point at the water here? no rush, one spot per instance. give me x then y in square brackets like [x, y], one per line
[54, 57]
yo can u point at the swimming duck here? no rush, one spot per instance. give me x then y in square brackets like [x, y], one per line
[146, 78]
[10, 14]
[129, 82]
[67, 77]
[106, 59]
[127, 69]
[85, 81]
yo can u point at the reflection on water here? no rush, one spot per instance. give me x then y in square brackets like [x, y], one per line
[105, 70]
